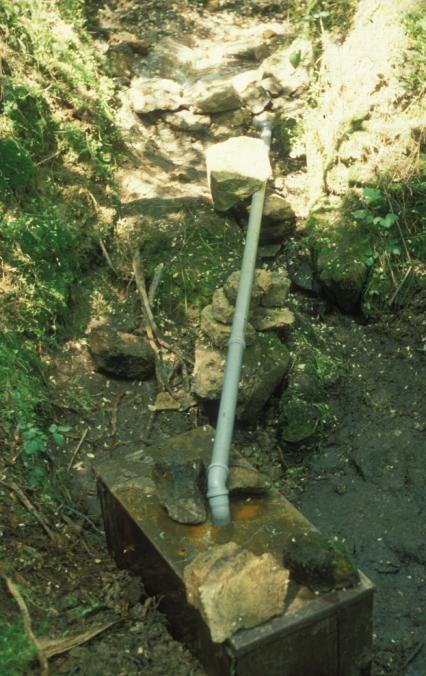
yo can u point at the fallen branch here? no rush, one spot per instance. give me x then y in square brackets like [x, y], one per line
[400, 285]
[11, 485]
[52, 646]
[78, 448]
[151, 327]
[107, 256]
[41, 654]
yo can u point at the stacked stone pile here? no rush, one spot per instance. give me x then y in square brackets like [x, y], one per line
[266, 358]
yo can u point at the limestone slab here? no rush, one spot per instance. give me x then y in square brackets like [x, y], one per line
[236, 169]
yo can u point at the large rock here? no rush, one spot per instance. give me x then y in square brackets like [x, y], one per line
[222, 308]
[342, 276]
[216, 96]
[219, 333]
[238, 121]
[299, 421]
[249, 88]
[186, 120]
[278, 292]
[245, 480]
[280, 320]
[121, 354]
[173, 60]
[149, 94]
[262, 283]
[234, 589]
[179, 488]
[276, 209]
[236, 169]
[265, 365]
[278, 219]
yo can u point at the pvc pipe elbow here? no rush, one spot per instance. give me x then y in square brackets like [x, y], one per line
[217, 494]
[221, 513]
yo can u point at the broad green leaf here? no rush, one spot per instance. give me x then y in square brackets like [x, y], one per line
[372, 195]
[33, 446]
[360, 214]
[295, 58]
[389, 220]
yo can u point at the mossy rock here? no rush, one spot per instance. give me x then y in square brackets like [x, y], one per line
[299, 421]
[339, 250]
[320, 562]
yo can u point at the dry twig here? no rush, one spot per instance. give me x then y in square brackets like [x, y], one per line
[400, 285]
[78, 448]
[114, 414]
[48, 647]
[52, 646]
[107, 256]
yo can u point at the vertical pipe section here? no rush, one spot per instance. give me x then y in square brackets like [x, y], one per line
[217, 491]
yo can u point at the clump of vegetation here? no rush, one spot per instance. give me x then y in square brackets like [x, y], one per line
[201, 253]
[320, 15]
[394, 217]
[57, 144]
[303, 413]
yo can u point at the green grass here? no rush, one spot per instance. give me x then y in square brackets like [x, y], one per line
[202, 252]
[58, 142]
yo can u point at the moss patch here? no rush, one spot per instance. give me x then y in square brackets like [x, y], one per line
[340, 248]
[320, 562]
[199, 253]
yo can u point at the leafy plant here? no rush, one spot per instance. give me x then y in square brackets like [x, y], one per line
[327, 15]
[35, 443]
[413, 74]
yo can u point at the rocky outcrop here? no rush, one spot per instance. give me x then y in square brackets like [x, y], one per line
[236, 169]
[215, 96]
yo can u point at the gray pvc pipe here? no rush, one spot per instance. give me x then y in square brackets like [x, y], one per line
[217, 491]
